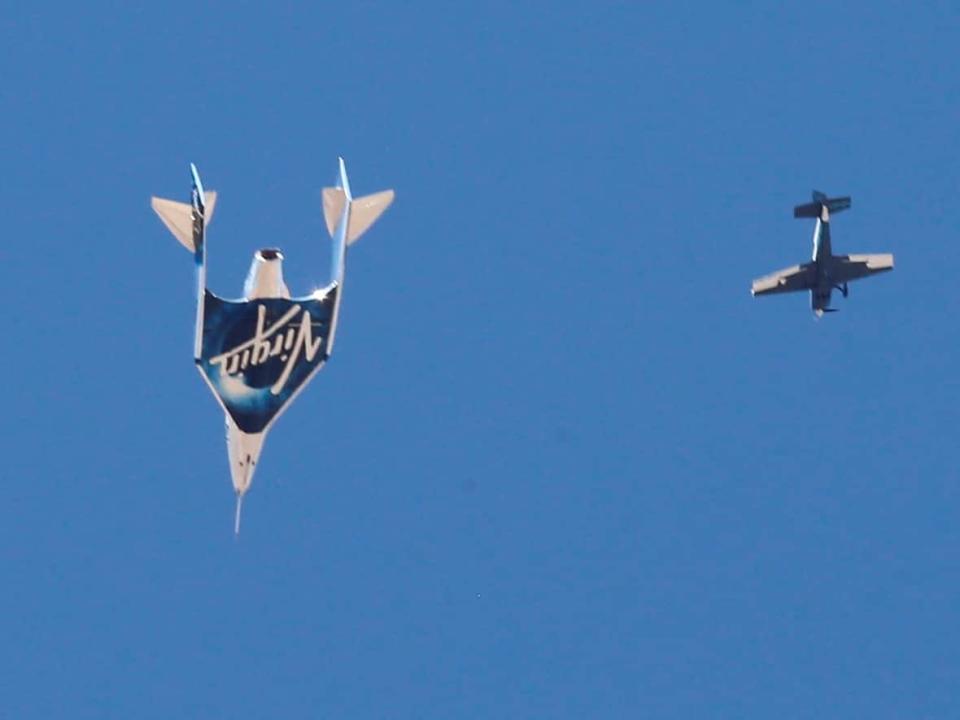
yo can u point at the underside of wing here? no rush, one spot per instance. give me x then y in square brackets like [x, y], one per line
[791, 279]
[854, 267]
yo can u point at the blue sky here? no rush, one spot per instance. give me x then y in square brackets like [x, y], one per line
[562, 465]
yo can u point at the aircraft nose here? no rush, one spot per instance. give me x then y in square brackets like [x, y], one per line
[270, 254]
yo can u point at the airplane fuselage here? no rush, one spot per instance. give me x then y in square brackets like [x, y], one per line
[822, 290]
[265, 280]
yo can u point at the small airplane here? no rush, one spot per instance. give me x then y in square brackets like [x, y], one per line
[826, 272]
[259, 352]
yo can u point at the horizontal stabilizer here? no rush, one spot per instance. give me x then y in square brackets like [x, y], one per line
[334, 200]
[178, 216]
[821, 201]
[365, 211]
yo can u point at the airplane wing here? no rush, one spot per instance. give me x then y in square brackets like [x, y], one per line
[854, 267]
[791, 279]
[257, 355]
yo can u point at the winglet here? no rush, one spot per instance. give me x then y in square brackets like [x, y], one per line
[197, 188]
[344, 181]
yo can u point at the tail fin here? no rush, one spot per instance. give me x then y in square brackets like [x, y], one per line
[820, 203]
[177, 216]
[360, 214]
[343, 182]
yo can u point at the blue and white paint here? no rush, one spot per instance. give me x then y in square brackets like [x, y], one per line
[258, 352]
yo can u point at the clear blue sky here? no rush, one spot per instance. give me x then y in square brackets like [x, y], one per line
[562, 465]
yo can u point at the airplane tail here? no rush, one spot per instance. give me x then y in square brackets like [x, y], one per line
[188, 222]
[820, 203]
[347, 219]
[178, 216]
[355, 215]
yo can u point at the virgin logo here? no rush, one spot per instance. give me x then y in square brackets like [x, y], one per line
[284, 339]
